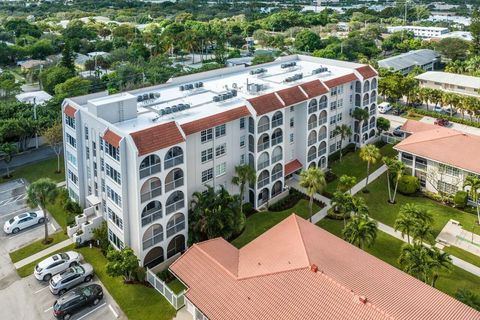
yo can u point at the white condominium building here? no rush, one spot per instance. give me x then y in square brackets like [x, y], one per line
[420, 32]
[136, 157]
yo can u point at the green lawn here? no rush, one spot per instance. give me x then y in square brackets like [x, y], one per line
[464, 255]
[57, 212]
[138, 302]
[36, 246]
[384, 212]
[387, 248]
[176, 286]
[42, 169]
[27, 270]
[352, 165]
[260, 222]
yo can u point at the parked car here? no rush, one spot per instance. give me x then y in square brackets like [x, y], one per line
[65, 280]
[442, 122]
[398, 111]
[438, 109]
[449, 111]
[23, 221]
[384, 107]
[398, 132]
[56, 264]
[76, 300]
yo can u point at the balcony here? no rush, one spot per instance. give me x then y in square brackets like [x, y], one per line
[420, 166]
[312, 156]
[153, 240]
[263, 182]
[145, 172]
[407, 162]
[366, 102]
[276, 175]
[175, 206]
[372, 125]
[263, 164]
[322, 121]
[323, 105]
[312, 109]
[372, 112]
[263, 146]
[263, 128]
[322, 151]
[151, 194]
[277, 140]
[312, 141]
[173, 161]
[277, 123]
[365, 128]
[251, 147]
[169, 186]
[312, 125]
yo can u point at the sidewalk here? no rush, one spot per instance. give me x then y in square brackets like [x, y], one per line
[292, 183]
[42, 253]
[373, 176]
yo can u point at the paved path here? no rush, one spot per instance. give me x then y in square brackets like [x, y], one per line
[372, 177]
[29, 157]
[293, 183]
[42, 253]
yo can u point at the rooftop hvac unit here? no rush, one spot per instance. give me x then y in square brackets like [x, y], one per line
[254, 87]
[182, 88]
[258, 71]
[288, 65]
[139, 98]
[295, 77]
[320, 70]
[174, 108]
[168, 110]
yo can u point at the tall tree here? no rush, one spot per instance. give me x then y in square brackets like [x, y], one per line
[68, 57]
[244, 175]
[360, 231]
[54, 138]
[8, 149]
[344, 132]
[395, 170]
[475, 30]
[473, 184]
[313, 181]
[121, 263]
[405, 223]
[370, 154]
[415, 260]
[440, 262]
[41, 193]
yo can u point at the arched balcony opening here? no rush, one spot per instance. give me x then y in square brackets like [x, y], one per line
[152, 236]
[150, 189]
[263, 196]
[322, 148]
[277, 154]
[312, 122]
[312, 165]
[277, 136]
[277, 172]
[152, 212]
[174, 180]
[312, 106]
[263, 161]
[374, 83]
[276, 189]
[323, 118]
[372, 133]
[358, 87]
[251, 143]
[263, 124]
[373, 97]
[358, 99]
[174, 157]
[263, 142]
[263, 179]
[312, 137]
[175, 224]
[366, 86]
[322, 163]
[322, 133]
[277, 119]
[175, 202]
[373, 109]
[312, 153]
[372, 123]
[154, 257]
[150, 165]
[323, 103]
[176, 245]
[366, 99]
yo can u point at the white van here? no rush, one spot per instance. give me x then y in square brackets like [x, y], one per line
[384, 107]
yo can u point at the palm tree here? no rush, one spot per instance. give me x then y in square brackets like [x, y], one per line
[346, 183]
[244, 174]
[344, 132]
[369, 153]
[405, 223]
[341, 204]
[422, 215]
[468, 297]
[422, 233]
[415, 260]
[9, 149]
[473, 182]
[41, 193]
[435, 96]
[397, 170]
[313, 181]
[440, 261]
[360, 231]
[358, 206]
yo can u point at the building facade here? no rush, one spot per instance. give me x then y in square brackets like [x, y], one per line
[420, 32]
[404, 63]
[137, 157]
[450, 82]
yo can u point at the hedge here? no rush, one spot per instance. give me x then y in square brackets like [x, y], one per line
[408, 185]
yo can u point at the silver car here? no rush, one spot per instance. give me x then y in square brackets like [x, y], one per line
[71, 277]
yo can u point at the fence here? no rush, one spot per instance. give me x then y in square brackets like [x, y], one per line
[390, 139]
[176, 300]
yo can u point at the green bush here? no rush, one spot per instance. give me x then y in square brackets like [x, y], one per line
[166, 276]
[408, 185]
[460, 199]
[248, 209]
[140, 274]
[336, 155]
[291, 200]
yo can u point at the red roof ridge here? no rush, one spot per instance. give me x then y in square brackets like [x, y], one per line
[295, 217]
[303, 91]
[235, 276]
[279, 98]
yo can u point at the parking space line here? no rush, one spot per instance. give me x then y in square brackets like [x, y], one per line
[45, 311]
[91, 311]
[113, 311]
[38, 291]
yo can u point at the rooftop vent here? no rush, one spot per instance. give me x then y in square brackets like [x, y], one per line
[146, 97]
[288, 65]
[314, 268]
[295, 77]
[191, 86]
[258, 71]
[174, 108]
[225, 96]
[319, 70]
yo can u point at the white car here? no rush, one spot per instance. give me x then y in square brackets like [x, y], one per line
[384, 107]
[438, 109]
[56, 264]
[23, 221]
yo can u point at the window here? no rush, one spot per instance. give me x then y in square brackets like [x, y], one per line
[103, 185]
[206, 135]
[451, 171]
[333, 119]
[207, 175]
[339, 144]
[446, 187]
[333, 105]
[242, 159]
[104, 206]
[94, 148]
[339, 117]
[292, 122]
[69, 121]
[336, 90]
[291, 137]
[102, 164]
[220, 169]
[207, 155]
[86, 133]
[242, 141]
[114, 239]
[114, 174]
[242, 123]
[71, 159]
[72, 177]
[94, 169]
[112, 195]
[292, 108]
[71, 141]
[115, 219]
[221, 150]
[220, 131]
[101, 143]
[112, 151]
[87, 152]
[333, 147]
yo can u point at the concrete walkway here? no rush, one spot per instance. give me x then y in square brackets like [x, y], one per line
[293, 183]
[42, 253]
[372, 177]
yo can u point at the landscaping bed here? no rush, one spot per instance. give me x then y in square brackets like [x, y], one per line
[37, 246]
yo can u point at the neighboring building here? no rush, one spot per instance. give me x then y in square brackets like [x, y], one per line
[34, 97]
[137, 157]
[243, 61]
[451, 82]
[464, 35]
[297, 270]
[31, 64]
[405, 62]
[439, 157]
[420, 32]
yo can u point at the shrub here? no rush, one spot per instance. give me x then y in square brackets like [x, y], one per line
[408, 185]
[140, 274]
[330, 176]
[291, 200]
[248, 209]
[166, 276]
[460, 199]
[336, 155]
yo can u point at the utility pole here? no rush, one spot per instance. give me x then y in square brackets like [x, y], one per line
[35, 118]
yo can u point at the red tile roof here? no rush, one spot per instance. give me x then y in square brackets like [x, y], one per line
[341, 80]
[292, 95]
[297, 270]
[448, 146]
[156, 138]
[215, 120]
[266, 103]
[112, 138]
[69, 111]
[367, 72]
[292, 166]
[314, 88]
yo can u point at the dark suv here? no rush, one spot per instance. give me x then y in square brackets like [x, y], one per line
[76, 300]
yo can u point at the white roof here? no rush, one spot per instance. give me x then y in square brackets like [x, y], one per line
[451, 78]
[34, 97]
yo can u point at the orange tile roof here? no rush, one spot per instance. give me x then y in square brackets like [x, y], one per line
[341, 80]
[112, 138]
[156, 138]
[266, 103]
[297, 270]
[367, 72]
[292, 95]
[314, 88]
[441, 144]
[215, 120]
[69, 111]
[292, 166]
